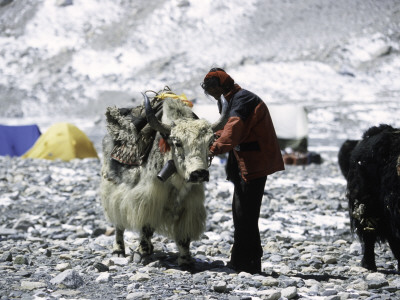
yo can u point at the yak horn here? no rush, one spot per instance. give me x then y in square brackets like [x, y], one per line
[224, 115]
[152, 119]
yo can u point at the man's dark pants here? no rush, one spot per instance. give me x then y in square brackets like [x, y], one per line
[247, 251]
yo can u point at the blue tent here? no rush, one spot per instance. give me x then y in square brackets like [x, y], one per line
[16, 140]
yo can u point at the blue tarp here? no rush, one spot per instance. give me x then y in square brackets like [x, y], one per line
[16, 140]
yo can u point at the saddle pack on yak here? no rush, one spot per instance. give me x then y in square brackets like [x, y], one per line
[132, 135]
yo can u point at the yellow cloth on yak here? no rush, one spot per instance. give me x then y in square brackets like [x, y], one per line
[62, 141]
[172, 95]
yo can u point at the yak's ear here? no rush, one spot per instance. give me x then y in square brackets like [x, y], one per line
[152, 119]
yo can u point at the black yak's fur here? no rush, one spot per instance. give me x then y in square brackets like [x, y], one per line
[373, 189]
[344, 155]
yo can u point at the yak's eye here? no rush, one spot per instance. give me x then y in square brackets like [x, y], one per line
[178, 143]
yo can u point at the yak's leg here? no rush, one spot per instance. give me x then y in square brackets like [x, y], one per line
[119, 244]
[185, 258]
[368, 244]
[146, 247]
[395, 247]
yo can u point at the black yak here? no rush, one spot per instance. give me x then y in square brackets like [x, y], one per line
[371, 168]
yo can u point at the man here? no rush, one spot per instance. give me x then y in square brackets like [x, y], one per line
[249, 137]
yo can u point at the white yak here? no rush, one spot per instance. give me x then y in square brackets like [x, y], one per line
[134, 198]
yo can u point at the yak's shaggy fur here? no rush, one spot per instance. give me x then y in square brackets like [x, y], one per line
[373, 189]
[137, 200]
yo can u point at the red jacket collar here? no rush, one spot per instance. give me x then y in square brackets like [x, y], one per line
[228, 96]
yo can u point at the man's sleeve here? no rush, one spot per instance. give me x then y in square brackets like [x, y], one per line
[230, 136]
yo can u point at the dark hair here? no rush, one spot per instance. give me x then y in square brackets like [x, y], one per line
[213, 82]
[210, 83]
[216, 69]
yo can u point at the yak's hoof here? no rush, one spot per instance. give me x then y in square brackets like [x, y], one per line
[368, 265]
[119, 253]
[185, 261]
[145, 250]
[118, 250]
[137, 257]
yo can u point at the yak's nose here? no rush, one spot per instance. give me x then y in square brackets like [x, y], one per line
[199, 176]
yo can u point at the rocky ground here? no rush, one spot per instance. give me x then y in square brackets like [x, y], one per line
[56, 244]
[339, 60]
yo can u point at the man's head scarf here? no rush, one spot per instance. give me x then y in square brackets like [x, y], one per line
[224, 79]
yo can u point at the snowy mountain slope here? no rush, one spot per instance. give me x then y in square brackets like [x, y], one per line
[71, 62]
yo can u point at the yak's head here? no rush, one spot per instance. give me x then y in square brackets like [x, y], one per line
[189, 138]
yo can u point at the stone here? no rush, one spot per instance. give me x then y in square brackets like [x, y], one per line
[7, 231]
[68, 279]
[340, 242]
[32, 285]
[64, 2]
[101, 267]
[65, 256]
[334, 297]
[272, 247]
[137, 296]
[5, 2]
[104, 277]
[6, 256]
[21, 260]
[289, 292]
[220, 286]
[119, 261]
[329, 259]
[97, 232]
[269, 294]
[359, 285]
[329, 292]
[376, 280]
[63, 266]
[355, 248]
[139, 277]
[23, 224]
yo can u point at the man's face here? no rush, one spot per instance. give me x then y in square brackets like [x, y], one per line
[215, 92]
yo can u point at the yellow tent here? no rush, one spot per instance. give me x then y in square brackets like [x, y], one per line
[62, 141]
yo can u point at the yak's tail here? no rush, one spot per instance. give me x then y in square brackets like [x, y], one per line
[344, 156]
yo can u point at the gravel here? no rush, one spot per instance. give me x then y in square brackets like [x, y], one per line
[56, 244]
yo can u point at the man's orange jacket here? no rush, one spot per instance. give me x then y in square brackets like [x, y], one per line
[251, 135]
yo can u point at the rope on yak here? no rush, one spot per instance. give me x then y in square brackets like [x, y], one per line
[132, 135]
